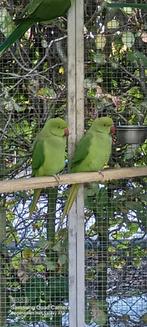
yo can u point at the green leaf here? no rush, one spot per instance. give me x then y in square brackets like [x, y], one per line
[99, 58]
[113, 24]
[47, 92]
[135, 92]
[50, 265]
[141, 56]
[100, 41]
[62, 259]
[133, 228]
[98, 314]
[128, 39]
[135, 56]
[6, 22]
[57, 247]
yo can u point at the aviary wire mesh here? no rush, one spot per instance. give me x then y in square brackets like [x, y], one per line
[34, 265]
[33, 254]
[115, 213]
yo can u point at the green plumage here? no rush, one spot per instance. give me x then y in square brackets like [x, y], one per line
[49, 152]
[91, 153]
[36, 11]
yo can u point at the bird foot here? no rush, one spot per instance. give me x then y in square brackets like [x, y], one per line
[57, 178]
[101, 173]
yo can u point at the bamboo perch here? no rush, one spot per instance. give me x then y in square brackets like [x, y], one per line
[9, 186]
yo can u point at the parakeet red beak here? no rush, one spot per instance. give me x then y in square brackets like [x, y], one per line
[113, 130]
[66, 131]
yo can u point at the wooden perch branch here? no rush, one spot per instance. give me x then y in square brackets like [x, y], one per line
[9, 186]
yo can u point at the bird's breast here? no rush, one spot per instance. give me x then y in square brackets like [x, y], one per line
[54, 158]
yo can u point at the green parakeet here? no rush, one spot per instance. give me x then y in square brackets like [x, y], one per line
[91, 153]
[36, 11]
[49, 152]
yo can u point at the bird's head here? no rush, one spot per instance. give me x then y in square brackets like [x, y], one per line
[57, 126]
[104, 124]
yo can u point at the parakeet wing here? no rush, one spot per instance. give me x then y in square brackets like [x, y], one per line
[31, 7]
[38, 156]
[43, 10]
[82, 150]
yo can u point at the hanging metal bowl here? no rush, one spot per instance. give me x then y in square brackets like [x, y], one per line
[131, 134]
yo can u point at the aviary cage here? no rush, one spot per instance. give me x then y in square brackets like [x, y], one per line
[90, 270]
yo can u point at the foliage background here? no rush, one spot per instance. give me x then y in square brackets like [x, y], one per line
[33, 87]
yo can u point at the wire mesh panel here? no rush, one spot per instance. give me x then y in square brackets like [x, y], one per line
[34, 266]
[115, 212]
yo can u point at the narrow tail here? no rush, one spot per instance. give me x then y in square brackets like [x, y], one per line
[14, 36]
[34, 201]
[70, 200]
[51, 213]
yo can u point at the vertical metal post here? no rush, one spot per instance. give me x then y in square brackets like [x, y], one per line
[76, 126]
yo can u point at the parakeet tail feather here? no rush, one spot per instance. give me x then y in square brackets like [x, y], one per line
[71, 198]
[34, 201]
[14, 36]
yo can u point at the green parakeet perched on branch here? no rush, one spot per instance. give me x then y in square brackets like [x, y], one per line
[49, 152]
[36, 11]
[91, 153]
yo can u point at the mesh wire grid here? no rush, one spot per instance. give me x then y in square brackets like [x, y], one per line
[34, 256]
[115, 212]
